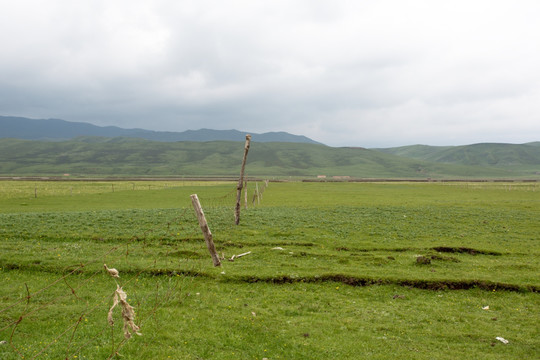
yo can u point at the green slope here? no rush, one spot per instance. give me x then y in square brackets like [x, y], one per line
[123, 156]
[504, 156]
[419, 152]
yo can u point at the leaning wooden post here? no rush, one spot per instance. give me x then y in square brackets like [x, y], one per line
[205, 229]
[241, 181]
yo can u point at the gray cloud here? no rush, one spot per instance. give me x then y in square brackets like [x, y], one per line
[357, 73]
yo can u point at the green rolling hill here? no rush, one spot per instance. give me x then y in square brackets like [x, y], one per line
[511, 157]
[97, 156]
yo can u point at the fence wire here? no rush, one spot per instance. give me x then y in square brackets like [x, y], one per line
[151, 262]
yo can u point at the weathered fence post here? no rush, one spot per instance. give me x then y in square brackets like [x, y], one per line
[245, 195]
[205, 229]
[241, 181]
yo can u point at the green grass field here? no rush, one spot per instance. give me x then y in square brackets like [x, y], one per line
[332, 271]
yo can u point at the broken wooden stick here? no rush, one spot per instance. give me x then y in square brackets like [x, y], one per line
[234, 257]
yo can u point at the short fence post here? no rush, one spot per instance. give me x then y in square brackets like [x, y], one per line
[205, 229]
[258, 194]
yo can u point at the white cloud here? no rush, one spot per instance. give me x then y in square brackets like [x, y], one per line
[359, 73]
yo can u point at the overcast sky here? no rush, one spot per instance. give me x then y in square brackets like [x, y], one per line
[346, 73]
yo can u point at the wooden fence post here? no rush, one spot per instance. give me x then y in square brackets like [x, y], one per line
[205, 229]
[241, 181]
[245, 196]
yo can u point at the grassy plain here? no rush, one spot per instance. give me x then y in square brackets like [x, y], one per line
[332, 271]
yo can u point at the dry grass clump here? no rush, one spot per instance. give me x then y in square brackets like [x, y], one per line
[128, 312]
[113, 272]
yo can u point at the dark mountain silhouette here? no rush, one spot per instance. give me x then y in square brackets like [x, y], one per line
[56, 129]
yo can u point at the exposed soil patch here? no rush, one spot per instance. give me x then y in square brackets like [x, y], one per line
[186, 254]
[444, 258]
[288, 243]
[465, 250]
[228, 244]
[180, 240]
[442, 249]
[422, 260]
[376, 249]
[418, 284]
[338, 278]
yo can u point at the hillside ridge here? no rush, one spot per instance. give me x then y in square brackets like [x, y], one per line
[481, 154]
[84, 148]
[90, 156]
[57, 130]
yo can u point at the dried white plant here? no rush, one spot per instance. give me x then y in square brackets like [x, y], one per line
[128, 313]
[112, 272]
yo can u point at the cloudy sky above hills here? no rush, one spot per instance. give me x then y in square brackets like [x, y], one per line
[357, 73]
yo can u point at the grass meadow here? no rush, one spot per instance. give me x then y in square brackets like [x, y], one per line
[333, 270]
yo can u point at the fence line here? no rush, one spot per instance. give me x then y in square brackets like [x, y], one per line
[69, 287]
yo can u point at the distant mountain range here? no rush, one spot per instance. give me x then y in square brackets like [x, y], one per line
[57, 130]
[48, 147]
